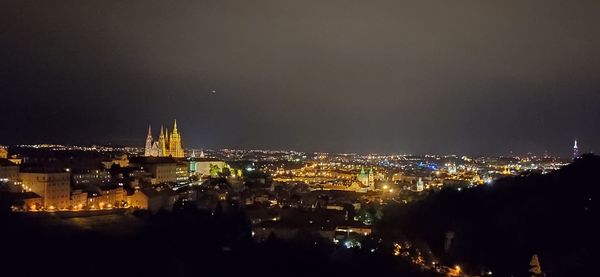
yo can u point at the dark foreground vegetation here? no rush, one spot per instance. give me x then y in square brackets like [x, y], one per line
[502, 225]
[185, 242]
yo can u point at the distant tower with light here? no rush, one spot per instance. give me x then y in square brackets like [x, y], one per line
[575, 150]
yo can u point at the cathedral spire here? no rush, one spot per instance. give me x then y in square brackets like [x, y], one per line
[148, 146]
[168, 144]
[162, 144]
[175, 148]
[167, 138]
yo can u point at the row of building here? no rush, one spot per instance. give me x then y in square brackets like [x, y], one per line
[51, 189]
[112, 183]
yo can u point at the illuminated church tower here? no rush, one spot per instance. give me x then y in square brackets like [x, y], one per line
[151, 149]
[175, 149]
[162, 143]
[148, 149]
[362, 177]
[371, 179]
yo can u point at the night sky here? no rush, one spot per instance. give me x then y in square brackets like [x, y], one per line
[466, 77]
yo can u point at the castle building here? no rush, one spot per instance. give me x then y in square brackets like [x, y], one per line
[167, 145]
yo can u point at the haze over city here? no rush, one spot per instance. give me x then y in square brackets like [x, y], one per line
[347, 76]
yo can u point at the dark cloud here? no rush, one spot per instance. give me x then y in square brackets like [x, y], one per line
[387, 76]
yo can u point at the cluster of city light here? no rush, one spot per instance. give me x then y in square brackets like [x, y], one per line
[404, 250]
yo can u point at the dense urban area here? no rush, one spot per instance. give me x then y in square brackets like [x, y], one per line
[342, 204]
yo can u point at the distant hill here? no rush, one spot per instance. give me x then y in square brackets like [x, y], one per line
[502, 225]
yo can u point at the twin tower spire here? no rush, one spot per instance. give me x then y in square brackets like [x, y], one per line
[167, 145]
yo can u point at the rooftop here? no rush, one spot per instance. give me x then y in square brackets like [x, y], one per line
[5, 162]
[46, 170]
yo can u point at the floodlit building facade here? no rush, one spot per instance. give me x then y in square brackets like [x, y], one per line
[167, 145]
[52, 186]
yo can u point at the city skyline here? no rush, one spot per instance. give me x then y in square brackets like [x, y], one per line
[563, 153]
[153, 148]
[194, 152]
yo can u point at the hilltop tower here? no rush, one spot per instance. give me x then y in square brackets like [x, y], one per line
[575, 150]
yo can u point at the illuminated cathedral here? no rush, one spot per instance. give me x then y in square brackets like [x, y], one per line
[167, 145]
